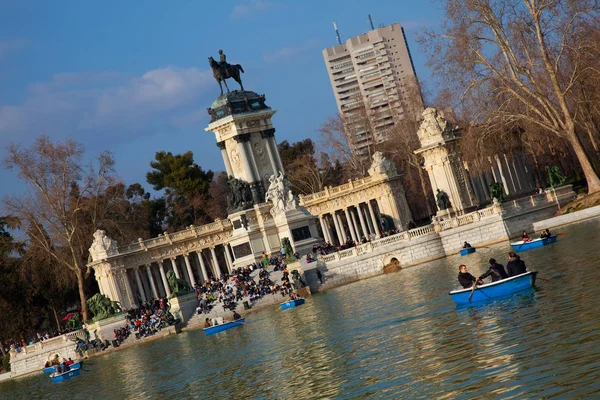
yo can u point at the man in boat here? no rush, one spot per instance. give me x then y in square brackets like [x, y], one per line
[496, 271]
[515, 265]
[207, 323]
[236, 316]
[545, 234]
[465, 279]
[467, 245]
[525, 237]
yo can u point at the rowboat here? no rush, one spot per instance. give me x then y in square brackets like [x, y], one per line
[291, 303]
[466, 251]
[223, 327]
[532, 244]
[495, 290]
[56, 377]
[52, 369]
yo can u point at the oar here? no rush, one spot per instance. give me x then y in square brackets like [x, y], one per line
[473, 290]
[562, 234]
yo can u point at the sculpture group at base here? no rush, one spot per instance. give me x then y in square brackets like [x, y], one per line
[101, 307]
[280, 195]
[177, 286]
[442, 200]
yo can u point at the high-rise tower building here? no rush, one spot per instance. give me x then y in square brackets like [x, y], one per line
[374, 82]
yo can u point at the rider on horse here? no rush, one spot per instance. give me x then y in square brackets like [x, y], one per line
[223, 62]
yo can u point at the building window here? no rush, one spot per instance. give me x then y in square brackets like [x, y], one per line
[301, 233]
[241, 250]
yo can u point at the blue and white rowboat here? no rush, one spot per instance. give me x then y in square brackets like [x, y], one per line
[52, 369]
[532, 244]
[466, 251]
[223, 327]
[56, 377]
[495, 290]
[292, 303]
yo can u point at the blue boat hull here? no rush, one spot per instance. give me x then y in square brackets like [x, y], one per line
[65, 375]
[495, 290]
[292, 303]
[520, 246]
[52, 369]
[223, 327]
[469, 250]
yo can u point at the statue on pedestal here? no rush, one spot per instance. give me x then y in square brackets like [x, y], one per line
[381, 165]
[442, 200]
[280, 195]
[223, 71]
[497, 192]
[177, 286]
[239, 196]
[555, 176]
[102, 246]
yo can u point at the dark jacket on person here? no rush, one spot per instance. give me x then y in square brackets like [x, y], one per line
[466, 279]
[516, 266]
[496, 271]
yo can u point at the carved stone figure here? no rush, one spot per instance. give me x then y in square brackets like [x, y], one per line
[177, 286]
[555, 176]
[239, 196]
[443, 201]
[381, 165]
[102, 246]
[496, 191]
[289, 252]
[434, 127]
[223, 70]
[101, 307]
[280, 195]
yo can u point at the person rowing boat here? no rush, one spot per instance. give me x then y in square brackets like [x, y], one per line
[465, 279]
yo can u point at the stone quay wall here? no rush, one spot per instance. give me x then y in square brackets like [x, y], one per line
[592, 212]
[33, 358]
[416, 246]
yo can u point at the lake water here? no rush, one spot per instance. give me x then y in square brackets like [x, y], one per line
[394, 336]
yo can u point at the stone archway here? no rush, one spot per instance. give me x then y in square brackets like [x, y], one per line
[391, 264]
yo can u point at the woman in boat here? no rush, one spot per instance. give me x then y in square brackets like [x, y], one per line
[496, 271]
[236, 316]
[207, 323]
[545, 234]
[525, 237]
[465, 279]
[515, 265]
[467, 245]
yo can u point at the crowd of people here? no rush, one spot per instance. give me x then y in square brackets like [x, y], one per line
[145, 320]
[61, 366]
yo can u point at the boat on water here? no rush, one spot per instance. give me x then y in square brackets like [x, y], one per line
[292, 303]
[532, 244]
[52, 369]
[56, 377]
[223, 327]
[494, 290]
[466, 251]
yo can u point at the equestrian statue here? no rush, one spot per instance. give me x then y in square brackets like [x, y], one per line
[223, 70]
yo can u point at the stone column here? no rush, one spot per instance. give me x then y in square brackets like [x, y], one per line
[136, 271]
[362, 220]
[174, 264]
[202, 265]
[250, 153]
[228, 168]
[504, 184]
[228, 256]
[356, 229]
[341, 225]
[128, 288]
[216, 269]
[324, 229]
[165, 282]
[113, 286]
[244, 157]
[375, 223]
[350, 226]
[267, 135]
[337, 228]
[151, 279]
[189, 269]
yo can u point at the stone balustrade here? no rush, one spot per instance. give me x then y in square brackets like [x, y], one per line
[337, 190]
[48, 344]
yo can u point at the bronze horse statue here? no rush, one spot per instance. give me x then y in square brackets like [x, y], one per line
[232, 71]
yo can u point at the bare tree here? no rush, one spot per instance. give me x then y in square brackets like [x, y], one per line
[61, 207]
[518, 61]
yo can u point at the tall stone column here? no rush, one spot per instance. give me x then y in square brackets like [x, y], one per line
[228, 168]
[189, 270]
[174, 264]
[113, 285]
[267, 135]
[202, 265]
[375, 223]
[138, 279]
[338, 231]
[128, 288]
[356, 229]
[324, 229]
[151, 279]
[228, 256]
[341, 225]
[350, 225]
[165, 282]
[362, 220]
[216, 269]
[504, 183]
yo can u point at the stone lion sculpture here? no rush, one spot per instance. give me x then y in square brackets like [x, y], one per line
[101, 307]
[177, 286]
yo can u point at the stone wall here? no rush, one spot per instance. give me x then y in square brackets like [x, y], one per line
[33, 358]
[592, 212]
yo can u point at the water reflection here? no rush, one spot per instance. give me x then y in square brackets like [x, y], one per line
[394, 336]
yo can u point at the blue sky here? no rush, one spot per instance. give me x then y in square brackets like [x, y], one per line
[132, 77]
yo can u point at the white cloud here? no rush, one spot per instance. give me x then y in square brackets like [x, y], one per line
[108, 105]
[289, 52]
[249, 7]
